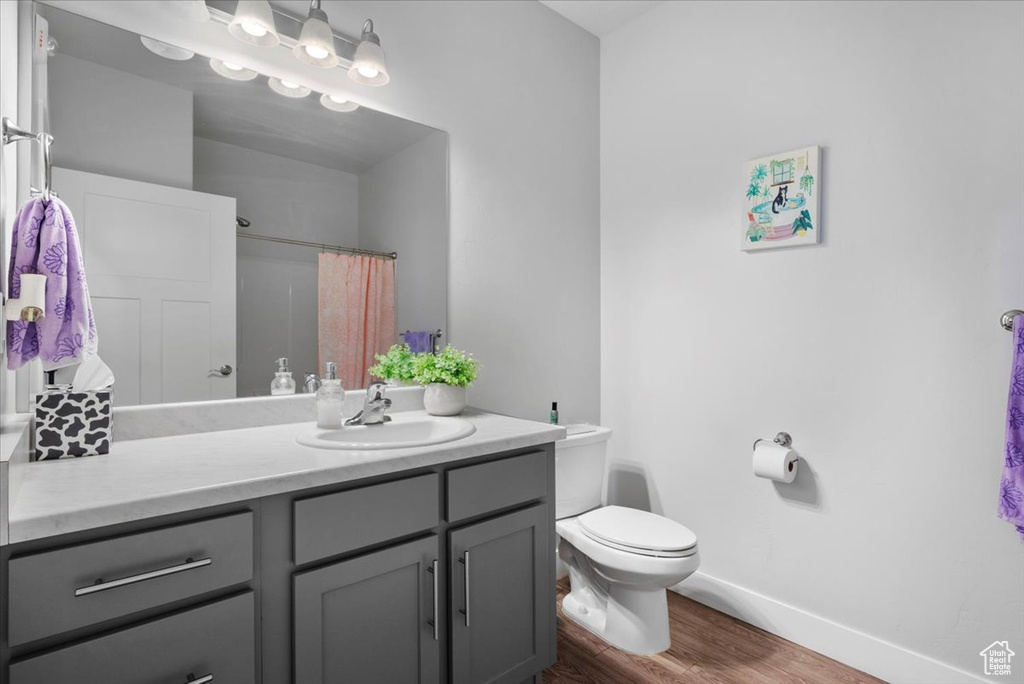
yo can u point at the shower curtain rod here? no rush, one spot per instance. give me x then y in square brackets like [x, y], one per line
[318, 245]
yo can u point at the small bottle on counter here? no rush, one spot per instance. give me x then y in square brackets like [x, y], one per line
[553, 419]
[330, 399]
[282, 382]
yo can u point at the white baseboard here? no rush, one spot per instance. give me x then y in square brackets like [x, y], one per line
[866, 653]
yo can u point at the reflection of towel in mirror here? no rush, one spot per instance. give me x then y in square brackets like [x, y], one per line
[419, 341]
[45, 241]
[1011, 489]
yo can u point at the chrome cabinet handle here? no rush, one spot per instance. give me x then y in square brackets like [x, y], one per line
[202, 680]
[224, 370]
[433, 623]
[100, 585]
[465, 562]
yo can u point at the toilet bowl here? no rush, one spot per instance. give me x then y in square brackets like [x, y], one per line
[620, 560]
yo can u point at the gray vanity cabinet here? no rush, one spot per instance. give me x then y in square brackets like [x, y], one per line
[502, 593]
[373, 618]
[442, 574]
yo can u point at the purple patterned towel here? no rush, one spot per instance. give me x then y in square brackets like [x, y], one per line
[45, 241]
[419, 341]
[1011, 489]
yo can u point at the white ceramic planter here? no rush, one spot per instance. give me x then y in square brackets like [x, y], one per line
[444, 400]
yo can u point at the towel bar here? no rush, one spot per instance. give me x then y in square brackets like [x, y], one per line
[1006, 320]
[12, 132]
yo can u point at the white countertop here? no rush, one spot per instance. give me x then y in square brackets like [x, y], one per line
[144, 478]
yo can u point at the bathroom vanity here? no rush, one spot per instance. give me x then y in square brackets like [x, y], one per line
[240, 556]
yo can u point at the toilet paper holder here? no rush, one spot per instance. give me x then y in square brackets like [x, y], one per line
[782, 439]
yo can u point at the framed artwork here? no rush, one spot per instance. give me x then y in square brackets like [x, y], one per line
[782, 200]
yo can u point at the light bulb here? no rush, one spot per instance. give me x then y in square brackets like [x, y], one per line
[253, 23]
[316, 52]
[289, 84]
[232, 66]
[368, 72]
[338, 103]
[254, 30]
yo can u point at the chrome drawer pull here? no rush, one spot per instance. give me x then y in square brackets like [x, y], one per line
[465, 561]
[202, 680]
[433, 623]
[100, 585]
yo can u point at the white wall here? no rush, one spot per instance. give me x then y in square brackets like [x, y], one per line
[879, 350]
[115, 123]
[277, 284]
[403, 207]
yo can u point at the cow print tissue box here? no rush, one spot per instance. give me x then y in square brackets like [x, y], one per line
[73, 424]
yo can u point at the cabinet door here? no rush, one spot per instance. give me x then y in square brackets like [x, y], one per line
[503, 604]
[373, 618]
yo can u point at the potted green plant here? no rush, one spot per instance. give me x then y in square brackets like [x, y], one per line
[446, 376]
[395, 366]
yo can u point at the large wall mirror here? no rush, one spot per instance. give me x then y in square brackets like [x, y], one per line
[228, 224]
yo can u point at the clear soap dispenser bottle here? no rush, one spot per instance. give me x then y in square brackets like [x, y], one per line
[330, 399]
[282, 382]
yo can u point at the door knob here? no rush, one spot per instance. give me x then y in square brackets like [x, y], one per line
[224, 370]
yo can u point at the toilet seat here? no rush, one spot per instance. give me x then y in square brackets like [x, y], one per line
[639, 532]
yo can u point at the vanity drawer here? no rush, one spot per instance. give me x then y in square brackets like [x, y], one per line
[214, 643]
[335, 523]
[498, 484]
[56, 591]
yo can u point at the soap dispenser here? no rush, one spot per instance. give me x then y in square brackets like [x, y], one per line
[282, 382]
[330, 399]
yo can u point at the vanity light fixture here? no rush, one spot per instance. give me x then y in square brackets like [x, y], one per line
[166, 50]
[316, 42]
[233, 71]
[368, 65]
[336, 103]
[288, 88]
[253, 23]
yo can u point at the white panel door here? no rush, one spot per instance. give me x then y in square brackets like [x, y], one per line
[161, 268]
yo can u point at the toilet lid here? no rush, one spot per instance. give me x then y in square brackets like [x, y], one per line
[634, 530]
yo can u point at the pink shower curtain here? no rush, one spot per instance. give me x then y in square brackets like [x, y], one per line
[357, 313]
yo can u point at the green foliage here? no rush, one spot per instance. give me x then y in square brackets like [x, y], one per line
[450, 367]
[759, 173]
[803, 222]
[395, 365]
[753, 190]
[807, 183]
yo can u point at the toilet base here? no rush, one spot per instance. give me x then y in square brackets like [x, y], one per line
[634, 620]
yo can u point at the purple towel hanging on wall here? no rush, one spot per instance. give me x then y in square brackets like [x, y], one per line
[1011, 487]
[45, 241]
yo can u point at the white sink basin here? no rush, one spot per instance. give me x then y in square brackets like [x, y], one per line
[401, 432]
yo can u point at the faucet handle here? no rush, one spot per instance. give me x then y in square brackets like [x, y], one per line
[375, 391]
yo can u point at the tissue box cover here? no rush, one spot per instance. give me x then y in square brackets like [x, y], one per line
[73, 424]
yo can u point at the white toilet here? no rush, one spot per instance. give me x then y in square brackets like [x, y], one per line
[620, 560]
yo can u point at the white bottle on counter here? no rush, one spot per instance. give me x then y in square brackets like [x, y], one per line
[330, 399]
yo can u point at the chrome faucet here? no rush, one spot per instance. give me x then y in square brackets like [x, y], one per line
[373, 407]
[311, 384]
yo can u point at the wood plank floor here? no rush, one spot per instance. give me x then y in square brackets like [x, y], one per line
[708, 647]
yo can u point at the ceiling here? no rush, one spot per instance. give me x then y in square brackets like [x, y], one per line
[601, 17]
[247, 114]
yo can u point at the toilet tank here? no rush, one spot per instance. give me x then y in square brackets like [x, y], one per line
[579, 469]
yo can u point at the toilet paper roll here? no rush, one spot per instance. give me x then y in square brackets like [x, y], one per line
[32, 297]
[774, 462]
[33, 291]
